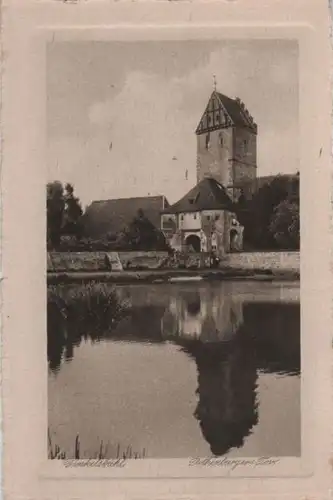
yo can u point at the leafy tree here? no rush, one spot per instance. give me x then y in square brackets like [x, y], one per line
[141, 234]
[72, 213]
[64, 212]
[257, 213]
[55, 206]
[285, 225]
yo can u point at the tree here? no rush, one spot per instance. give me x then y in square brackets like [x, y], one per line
[256, 214]
[141, 234]
[285, 225]
[55, 206]
[64, 212]
[72, 213]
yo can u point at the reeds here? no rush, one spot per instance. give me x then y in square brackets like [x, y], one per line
[103, 451]
[87, 306]
[54, 451]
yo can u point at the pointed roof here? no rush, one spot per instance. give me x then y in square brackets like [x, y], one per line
[207, 195]
[222, 111]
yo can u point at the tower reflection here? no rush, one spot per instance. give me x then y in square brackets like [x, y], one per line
[227, 406]
[201, 313]
[230, 339]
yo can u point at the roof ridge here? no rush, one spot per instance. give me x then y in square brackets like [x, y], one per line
[214, 196]
[129, 198]
[224, 95]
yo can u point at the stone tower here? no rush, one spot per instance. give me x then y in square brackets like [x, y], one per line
[227, 144]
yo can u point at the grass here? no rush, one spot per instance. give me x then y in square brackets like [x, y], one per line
[101, 453]
[88, 306]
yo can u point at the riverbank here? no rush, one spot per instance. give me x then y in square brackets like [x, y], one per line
[157, 267]
[169, 275]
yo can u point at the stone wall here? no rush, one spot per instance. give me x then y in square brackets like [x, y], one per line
[76, 261]
[142, 260]
[263, 260]
[213, 161]
[98, 261]
[244, 157]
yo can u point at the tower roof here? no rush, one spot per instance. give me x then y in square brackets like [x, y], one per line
[222, 111]
[207, 195]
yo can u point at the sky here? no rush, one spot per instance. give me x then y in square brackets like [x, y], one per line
[146, 99]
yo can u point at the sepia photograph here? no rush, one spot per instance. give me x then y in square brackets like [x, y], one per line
[173, 249]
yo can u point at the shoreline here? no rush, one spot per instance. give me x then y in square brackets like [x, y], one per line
[163, 276]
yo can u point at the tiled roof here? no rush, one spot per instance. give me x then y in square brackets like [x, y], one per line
[207, 195]
[235, 109]
[112, 216]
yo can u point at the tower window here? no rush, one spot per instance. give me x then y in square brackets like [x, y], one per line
[207, 140]
[221, 140]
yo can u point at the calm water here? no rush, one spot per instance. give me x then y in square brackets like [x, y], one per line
[198, 369]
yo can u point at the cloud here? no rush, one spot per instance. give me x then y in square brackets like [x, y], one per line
[148, 129]
[152, 119]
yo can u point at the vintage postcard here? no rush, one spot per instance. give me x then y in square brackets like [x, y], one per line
[167, 291]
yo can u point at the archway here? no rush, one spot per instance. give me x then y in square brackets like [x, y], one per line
[193, 241]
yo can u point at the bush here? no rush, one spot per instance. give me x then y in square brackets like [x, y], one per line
[256, 214]
[87, 245]
[285, 225]
[93, 306]
[105, 245]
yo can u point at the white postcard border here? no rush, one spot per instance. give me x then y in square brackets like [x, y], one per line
[24, 337]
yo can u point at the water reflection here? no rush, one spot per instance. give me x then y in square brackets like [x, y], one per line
[227, 381]
[231, 338]
[202, 314]
[266, 340]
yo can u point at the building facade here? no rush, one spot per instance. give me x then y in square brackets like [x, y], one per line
[227, 144]
[204, 219]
